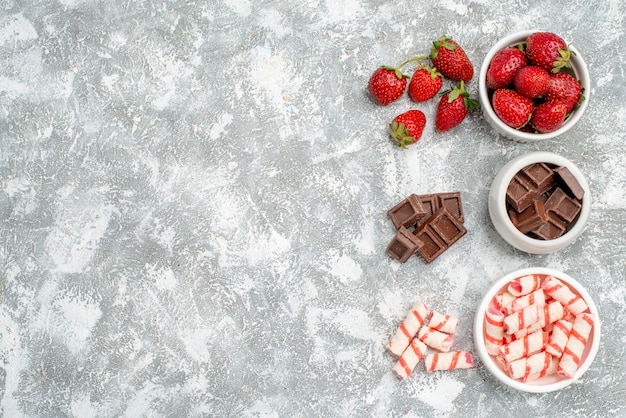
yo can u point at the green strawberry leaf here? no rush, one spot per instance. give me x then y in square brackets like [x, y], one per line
[400, 135]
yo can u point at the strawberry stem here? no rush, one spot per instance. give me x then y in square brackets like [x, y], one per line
[418, 58]
[399, 73]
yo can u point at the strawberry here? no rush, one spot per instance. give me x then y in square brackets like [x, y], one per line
[531, 81]
[548, 51]
[549, 116]
[451, 60]
[566, 89]
[503, 66]
[425, 83]
[407, 128]
[453, 107]
[511, 107]
[387, 84]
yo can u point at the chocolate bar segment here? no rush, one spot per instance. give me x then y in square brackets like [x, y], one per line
[540, 175]
[528, 184]
[569, 182]
[551, 229]
[452, 201]
[531, 218]
[438, 233]
[563, 206]
[430, 203]
[433, 202]
[403, 245]
[407, 212]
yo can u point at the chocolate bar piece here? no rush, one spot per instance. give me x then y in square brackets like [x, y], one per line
[403, 245]
[541, 176]
[452, 201]
[563, 206]
[433, 202]
[407, 212]
[551, 229]
[529, 183]
[438, 233]
[530, 218]
[562, 211]
[570, 183]
[430, 203]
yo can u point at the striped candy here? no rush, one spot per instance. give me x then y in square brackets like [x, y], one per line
[524, 285]
[443, 323]
[435, 339]
[558, 337]
[525, 367]
[559, 291]
[494, 330]
[448, 361]
[536, 297]
[521, 319]
[548, 314]
[409, 359]
[525, 346]
[408, 328]
[581, 329]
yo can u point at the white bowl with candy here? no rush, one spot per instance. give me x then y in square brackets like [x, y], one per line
[539, 202]
[563, 80]
[537, 330]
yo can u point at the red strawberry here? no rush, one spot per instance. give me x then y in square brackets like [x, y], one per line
[453, 107]
[511, 107]
[548, 50]
[451, 60]
[503, 66]
[549, 116]
[531, 81]
[425, 83]
[566, 89]
[407, 128]
[387, 84]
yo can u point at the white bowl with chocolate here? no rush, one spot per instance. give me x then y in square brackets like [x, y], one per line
[551, 355]
[539, 202]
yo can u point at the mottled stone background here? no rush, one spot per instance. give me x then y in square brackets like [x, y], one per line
[193, 201]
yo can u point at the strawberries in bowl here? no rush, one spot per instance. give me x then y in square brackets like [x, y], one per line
[537, 69]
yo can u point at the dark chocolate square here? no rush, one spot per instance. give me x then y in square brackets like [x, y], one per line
[540, 175]
[520, 193]
[569, 183]
[407, 212]
[551, 229]
[528, 184]
[430, 203]
[432, 246]
[403, 245]
[438, 233]
[563, 206]
[530, 218]
[452, 201]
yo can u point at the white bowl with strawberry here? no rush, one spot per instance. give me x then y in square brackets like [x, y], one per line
[533, 86]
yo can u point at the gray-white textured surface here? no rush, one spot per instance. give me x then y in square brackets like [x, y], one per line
[193, 203]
